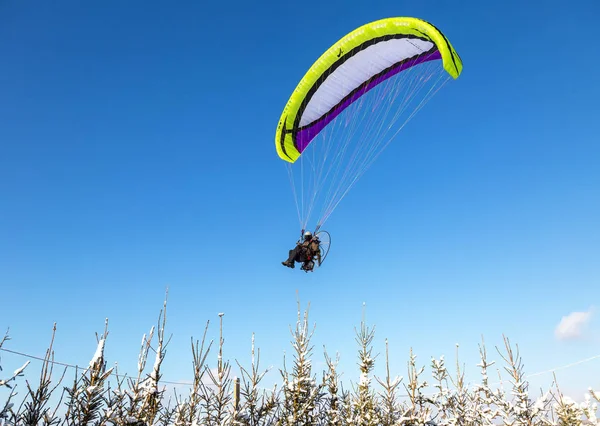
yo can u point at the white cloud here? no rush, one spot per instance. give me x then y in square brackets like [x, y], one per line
[572, 326]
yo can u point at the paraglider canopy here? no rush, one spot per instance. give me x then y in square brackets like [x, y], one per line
[344, 108]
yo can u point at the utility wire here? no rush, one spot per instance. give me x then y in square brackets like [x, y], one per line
[582, 361]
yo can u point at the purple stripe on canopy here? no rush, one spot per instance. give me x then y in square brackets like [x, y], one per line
[307, 134]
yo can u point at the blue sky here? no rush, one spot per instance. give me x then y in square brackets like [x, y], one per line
[137, 154]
